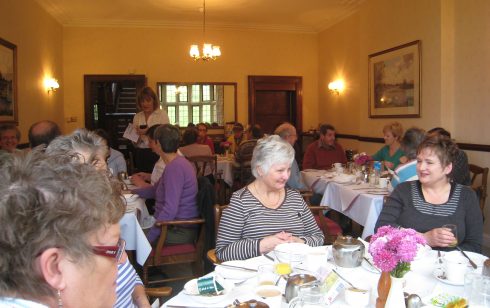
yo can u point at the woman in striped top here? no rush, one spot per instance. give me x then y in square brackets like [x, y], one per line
[434, 200]
[266, 213]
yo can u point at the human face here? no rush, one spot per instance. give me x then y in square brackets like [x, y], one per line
[277, 176]
[202, 131]
[429, 168]
[389, 138]
[329, 137]
[147, 106]
[92, 282]
[9, 141]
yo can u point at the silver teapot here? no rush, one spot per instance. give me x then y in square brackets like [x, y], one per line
[348, 251]
[294, 282]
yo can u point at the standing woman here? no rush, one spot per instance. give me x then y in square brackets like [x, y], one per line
[150, 115]
[391, 153]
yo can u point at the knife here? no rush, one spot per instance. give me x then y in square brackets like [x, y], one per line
[466, 256]
[372, 265]
[236, 267]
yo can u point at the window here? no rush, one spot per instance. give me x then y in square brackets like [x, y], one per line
[192, 103]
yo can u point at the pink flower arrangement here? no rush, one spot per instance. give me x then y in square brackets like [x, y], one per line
[362, 159]
[394, 248]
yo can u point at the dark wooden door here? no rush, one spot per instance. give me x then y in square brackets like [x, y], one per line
[110, 104]
[273, 100]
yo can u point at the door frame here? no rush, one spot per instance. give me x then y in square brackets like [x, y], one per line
[276, 83]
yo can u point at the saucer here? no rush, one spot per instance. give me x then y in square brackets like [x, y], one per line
[441, 276]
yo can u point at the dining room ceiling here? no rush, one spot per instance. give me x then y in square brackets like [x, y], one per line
[278, 15]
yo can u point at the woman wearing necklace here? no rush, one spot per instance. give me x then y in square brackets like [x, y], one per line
[434, 201]
[265, 213]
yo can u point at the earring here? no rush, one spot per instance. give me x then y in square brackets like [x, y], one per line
[60, 302]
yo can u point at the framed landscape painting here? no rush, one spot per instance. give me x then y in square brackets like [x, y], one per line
[394, 82]
[8, 82]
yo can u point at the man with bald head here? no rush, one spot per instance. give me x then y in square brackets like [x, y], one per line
[43, 132]
[288, 132]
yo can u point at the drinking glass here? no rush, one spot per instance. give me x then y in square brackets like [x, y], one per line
[454, 229]
[480, 292]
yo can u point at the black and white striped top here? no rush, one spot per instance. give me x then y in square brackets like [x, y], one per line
[246, 221]
[406, 207]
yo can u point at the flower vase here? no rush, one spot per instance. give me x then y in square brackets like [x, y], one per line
[396, 298]
[384, 284]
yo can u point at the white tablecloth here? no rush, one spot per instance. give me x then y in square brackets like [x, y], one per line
[132, 232]
[420, 280]
[354, 201]
[225, 166]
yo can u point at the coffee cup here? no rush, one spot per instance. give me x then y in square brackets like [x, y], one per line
[269, 294]
[337, 166]
[383, 182]
[357, 297]
[455, 266]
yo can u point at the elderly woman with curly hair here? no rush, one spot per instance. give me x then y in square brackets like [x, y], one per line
[433, 201]
[265, 213]
[67, 238]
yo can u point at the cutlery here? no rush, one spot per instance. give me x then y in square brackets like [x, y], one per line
[466, 256]
[439, 256]
[372, 265]
[237, 267]
[348, 282]
[269, 257]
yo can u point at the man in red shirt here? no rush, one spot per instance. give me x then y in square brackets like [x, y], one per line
[203, 136]
[323, 153]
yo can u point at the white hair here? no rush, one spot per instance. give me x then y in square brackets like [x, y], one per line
[271, 150]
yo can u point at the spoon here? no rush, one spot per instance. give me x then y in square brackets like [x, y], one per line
[348, 282]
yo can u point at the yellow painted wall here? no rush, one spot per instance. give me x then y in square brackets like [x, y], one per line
[39, 54]
[162, 55]
[455, 39]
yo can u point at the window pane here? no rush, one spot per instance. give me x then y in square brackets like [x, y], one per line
[206, 113]
[182, 90]
[183, 116]
[195, 115]
[206, 92]
[171, 94]
[171, 114]
[196, 94]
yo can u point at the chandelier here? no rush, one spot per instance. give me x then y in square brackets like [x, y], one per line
[209, 51]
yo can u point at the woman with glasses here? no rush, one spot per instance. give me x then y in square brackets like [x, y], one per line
[87, 147]
[60, 234]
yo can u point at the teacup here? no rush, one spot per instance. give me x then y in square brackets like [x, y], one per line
[338, 167]
[455, 266]
[383, 183]
[269, 294]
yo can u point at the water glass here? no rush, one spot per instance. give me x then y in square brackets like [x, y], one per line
[479, 292]
[454, 230]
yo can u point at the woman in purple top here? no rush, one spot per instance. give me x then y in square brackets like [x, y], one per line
[175, 192]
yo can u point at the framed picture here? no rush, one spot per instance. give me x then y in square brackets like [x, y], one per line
[8, 82]
[394, 82]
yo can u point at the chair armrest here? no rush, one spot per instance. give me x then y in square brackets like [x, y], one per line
[158, 292]
[194, 221]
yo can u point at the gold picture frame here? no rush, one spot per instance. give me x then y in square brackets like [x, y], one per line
[8, 82]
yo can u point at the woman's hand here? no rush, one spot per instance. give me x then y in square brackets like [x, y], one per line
[143, 175]
[270, 242]
[389, 164]
[138, 180]
[439, 237]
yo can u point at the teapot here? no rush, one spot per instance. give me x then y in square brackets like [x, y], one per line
[295, 282]
[348, 251]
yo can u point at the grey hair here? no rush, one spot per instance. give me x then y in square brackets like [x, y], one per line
[46, 202]
[285, 130]
[410, 141]
[80, 140]
[270, 151]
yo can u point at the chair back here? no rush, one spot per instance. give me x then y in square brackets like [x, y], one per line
[480, 187]
[204, 164]
[218, 210]
[242, 165]
[329, 228]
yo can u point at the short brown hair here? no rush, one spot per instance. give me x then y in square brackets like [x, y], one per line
[147, 94]
[395, 128]
[444, 148]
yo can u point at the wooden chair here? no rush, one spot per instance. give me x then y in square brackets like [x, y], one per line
[210, 163]
[329, 227]
[242, 168]
[479, 187]
[218, 210]
[163, 254]
[158, 293]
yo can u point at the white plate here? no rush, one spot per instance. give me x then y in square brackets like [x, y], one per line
[475, 257]
[294, 253]
[190, 288]
[422, 251]
[235, 274]
[439, 275]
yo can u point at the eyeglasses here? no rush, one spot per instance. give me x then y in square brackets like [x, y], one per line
[115, 252]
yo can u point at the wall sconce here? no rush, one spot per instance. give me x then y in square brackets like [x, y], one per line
[336, 86]
[51, 84]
